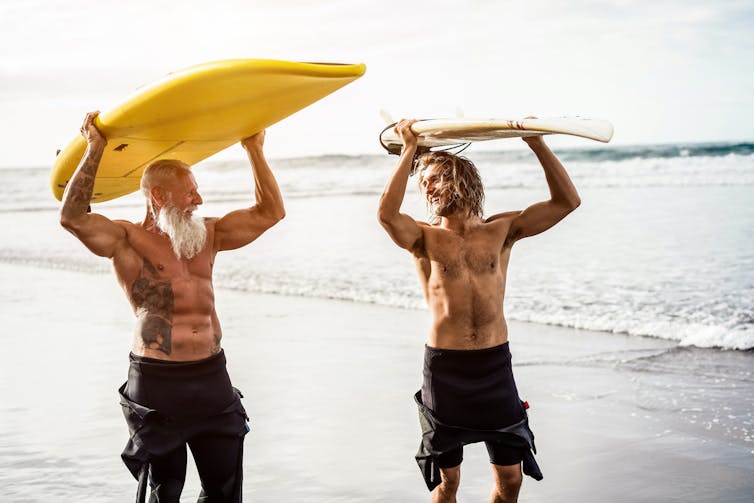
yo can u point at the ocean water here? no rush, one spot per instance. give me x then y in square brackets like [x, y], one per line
[662, 245]
[660, 253]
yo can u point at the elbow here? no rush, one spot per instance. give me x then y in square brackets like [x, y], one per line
[567, 205]
[571, 201]
[384, 218]
[278, 214]
[384, 214]
[66, 222]
[575, 202]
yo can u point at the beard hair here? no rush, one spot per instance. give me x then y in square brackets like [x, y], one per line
[444, 207]
[187, 235]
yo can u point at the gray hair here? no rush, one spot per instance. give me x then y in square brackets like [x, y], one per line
[160, 172]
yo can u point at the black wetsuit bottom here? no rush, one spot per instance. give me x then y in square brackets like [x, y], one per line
[474, 388]
[470, 396]
[217, 458]
[169, 405]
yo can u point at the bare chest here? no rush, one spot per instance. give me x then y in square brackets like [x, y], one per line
[151, 259]
[451, 256]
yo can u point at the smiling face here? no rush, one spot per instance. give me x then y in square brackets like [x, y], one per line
[450, 184]
[438, 190]
[182, 192]
[173, 196]
[170, 180]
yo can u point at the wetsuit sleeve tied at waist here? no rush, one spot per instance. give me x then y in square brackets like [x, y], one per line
[428, 452]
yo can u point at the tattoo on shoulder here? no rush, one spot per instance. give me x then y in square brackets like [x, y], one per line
[153, 298]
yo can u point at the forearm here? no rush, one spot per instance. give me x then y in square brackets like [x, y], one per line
[395, 190]
[561, 187]
[269, 199]
[78, 193]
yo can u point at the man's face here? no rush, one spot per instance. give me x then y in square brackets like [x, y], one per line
[183, 194]
[439, 192]
[187, 233]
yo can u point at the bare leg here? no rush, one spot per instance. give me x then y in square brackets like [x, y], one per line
[507, 483]
[446, 491]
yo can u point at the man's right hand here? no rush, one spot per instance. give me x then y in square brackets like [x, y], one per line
[254, 142]
[90, 132]
[405, 133]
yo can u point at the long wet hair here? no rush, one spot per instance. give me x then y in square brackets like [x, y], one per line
[467, 191]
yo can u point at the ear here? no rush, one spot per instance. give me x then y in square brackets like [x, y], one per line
[159, 195]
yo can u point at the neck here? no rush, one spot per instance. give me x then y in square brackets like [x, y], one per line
[459, 221]
[149, 223]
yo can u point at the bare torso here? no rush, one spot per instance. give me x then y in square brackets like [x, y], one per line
[463, 273]
[172, 299]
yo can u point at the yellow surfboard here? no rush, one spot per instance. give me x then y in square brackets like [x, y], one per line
[196, 112]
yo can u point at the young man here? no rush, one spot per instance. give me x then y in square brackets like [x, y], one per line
[468, 394]
[178, 390]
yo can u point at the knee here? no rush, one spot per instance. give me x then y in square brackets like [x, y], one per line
[451, 479]
[509, 481]
[451, 483]
[169, 490]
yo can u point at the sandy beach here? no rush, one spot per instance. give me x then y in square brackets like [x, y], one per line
[328, 385]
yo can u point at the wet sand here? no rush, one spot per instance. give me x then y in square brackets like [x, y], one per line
[328, 386]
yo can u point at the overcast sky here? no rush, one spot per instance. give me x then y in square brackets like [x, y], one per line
[661, 71]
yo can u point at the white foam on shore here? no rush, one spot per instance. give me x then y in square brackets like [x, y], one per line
[661, 245]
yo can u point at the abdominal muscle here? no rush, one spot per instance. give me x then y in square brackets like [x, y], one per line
[192, 333]
[467, 315]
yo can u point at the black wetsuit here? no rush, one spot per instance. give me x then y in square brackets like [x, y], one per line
[170, 404]
[470, 396]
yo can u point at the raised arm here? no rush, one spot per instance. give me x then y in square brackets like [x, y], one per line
[241, 227]
[101, 235]
[563, 196]
[403, 229]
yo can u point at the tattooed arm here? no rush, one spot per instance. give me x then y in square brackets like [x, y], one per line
[101, 235]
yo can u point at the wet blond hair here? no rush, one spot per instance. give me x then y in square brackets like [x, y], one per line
[467, 191]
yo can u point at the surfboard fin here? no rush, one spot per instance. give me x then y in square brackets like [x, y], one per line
[387, 117]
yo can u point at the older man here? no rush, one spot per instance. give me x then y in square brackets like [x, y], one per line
[178, 390]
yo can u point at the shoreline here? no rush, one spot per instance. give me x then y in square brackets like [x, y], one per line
[328, 386]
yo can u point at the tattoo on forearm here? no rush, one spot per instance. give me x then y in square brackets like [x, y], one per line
[153, 298]
[79, 192]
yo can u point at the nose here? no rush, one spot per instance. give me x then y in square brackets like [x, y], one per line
[198, 199]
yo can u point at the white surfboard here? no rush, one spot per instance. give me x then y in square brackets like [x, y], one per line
[443, 132]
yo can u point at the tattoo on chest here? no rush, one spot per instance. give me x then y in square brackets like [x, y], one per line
[153, 298]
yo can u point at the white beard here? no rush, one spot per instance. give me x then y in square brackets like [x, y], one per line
[187, 235]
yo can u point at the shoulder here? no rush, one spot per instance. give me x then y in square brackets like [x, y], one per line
[126, 224]
[502, 218]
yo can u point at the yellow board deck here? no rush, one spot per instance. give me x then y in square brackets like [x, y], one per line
[196, 112]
